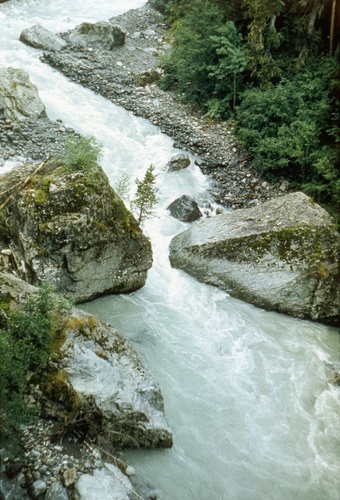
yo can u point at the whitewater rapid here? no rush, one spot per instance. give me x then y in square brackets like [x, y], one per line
[248, 393]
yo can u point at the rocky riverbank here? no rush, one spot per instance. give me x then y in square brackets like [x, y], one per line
[128, 76]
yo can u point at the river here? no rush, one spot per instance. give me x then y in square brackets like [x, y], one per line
[247, 392]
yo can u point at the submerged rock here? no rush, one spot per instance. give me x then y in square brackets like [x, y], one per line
[283, 255]
[18, 96]
[39, 37]
[185, 209]
[72, 229]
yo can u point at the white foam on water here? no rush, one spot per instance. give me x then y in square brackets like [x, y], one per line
[247, 392]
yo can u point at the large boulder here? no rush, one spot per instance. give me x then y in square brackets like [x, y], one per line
[283, 255]
[18, 96]
[185, 209]
[103, 35]
[95, 376]
[94, 383]
[39, 37]
[71, 229]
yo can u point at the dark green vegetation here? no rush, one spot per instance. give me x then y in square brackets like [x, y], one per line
[272, 66]
[81, 152]
[25, 342]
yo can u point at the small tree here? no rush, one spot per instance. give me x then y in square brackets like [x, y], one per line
[231, 59]
[81, 152]
[122, 187]
[145, 198]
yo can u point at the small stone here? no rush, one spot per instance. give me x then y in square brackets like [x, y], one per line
[69, 477]
[56, 492]
[130, 471]
[38, 488]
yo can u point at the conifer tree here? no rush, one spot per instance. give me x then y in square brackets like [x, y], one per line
[145, 198]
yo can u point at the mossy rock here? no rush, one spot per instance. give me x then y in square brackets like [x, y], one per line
[70, 228]
[283, 255]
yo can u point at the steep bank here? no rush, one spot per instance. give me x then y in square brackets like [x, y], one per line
[96, 397]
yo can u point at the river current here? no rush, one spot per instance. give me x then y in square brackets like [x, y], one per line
[247, 392]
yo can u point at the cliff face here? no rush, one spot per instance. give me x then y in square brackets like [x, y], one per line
[283, 255]
[71, 229]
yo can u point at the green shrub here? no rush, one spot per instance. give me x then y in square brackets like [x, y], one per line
[290, 129]
[187, 66]
[24, 347]
[81, 153]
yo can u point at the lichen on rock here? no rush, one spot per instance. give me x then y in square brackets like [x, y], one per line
[283, 255]
[72, 229]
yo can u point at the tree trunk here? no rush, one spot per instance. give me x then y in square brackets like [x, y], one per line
[311, 23]
[331, 34]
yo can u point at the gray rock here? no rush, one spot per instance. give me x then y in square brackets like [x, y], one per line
[38, 488]
[283, 255]
[13, 291]
[130, 471]
[119, 35]
[39, 37]
[102, 35]
[178, 162]
[106, 484]
[56, 492]
[72, 230]
[97, 375]
[185, 209]
[69, 477]
[11, 490]
[18, 96]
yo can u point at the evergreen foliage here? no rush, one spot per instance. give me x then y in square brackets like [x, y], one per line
[274, 65]
[122, 186]
[145, 198]
[81, 152]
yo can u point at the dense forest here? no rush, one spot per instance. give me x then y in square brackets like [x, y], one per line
[272, 68]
